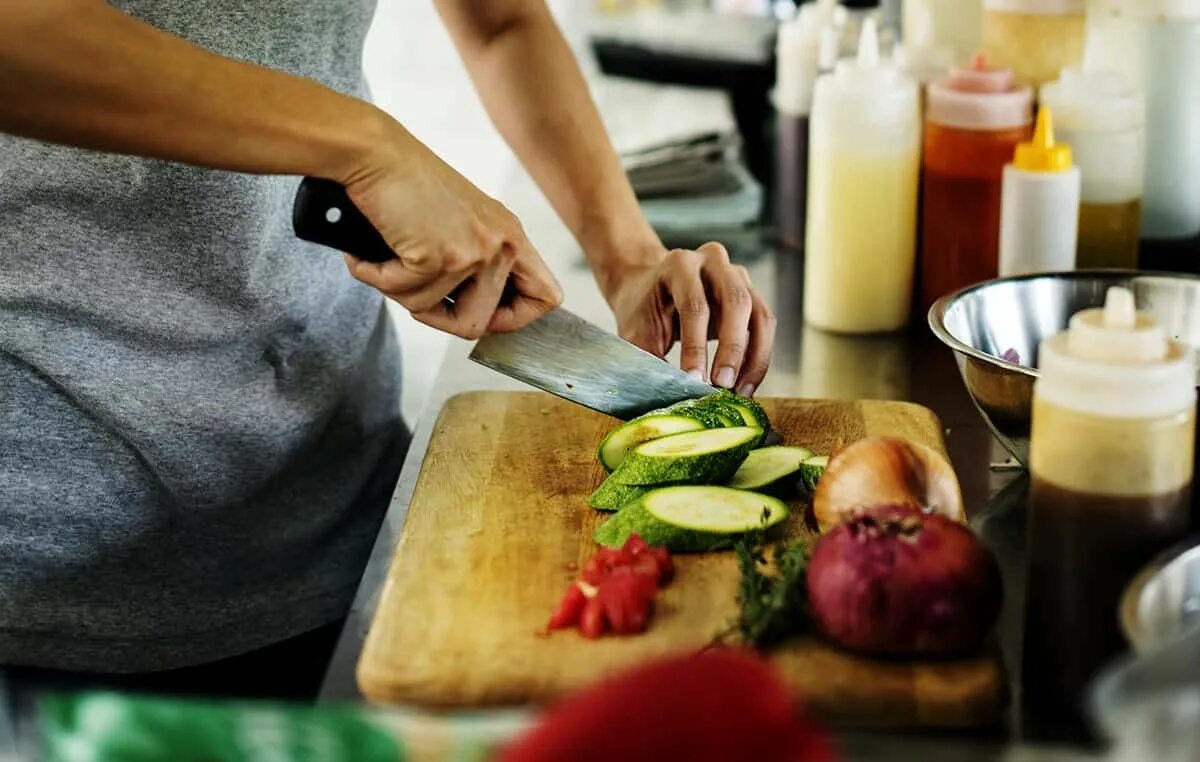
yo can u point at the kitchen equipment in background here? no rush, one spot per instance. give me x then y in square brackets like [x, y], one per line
[499, 512]
[1162, 603]
[698, 47]
[1111, 458]
[1039, 206]
[974, 120]
[695, 185]
[944, 30]
[1036, 38]
[1155, 44]
[1011, 316]
[1102, 118]
[802, 51]
[864, 161]
[1148, 707]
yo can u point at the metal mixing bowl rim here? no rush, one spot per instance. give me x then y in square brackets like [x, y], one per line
[1129, 614]
[937, 313]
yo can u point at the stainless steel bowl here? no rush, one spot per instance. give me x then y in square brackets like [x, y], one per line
[983, 322]
[1162, 603]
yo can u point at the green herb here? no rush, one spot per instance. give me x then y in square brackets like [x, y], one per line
[774, 607]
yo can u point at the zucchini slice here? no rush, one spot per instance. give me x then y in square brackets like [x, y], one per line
[694, 409]
[811, 470]
[710, 456]
[692, 518]
[611, 495]
[650, 426]
[763, 468]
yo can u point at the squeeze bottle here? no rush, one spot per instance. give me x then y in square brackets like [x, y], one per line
[1039, 205]
[974, 120]
[798, 62]
[1101, 118]
[1155, 44]
[864, 159]
[1037, 38]
[1113, 432]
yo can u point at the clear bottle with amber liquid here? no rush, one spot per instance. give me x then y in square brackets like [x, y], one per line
[1114, 417]
[1102, 118]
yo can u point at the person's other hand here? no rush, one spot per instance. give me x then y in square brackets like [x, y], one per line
[691, 297]
[450, 240]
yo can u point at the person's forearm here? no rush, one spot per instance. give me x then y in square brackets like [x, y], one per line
[82, 73]
[537, 97]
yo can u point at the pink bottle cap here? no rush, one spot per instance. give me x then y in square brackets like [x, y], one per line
[980, 98]
[981, 77]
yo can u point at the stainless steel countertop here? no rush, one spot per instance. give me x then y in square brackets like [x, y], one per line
[807, 363]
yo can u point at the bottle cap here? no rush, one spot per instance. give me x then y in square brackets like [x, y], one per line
[1039, 7]
[864, 4]
[980, 97]
[1093, 101]
[981, 76]
[1118, 362]
[1116, 332]
[1042, 154]
[867, 91]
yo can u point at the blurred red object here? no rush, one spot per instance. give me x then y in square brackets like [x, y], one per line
[721, 705]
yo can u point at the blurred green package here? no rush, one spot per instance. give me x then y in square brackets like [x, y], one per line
[106, 727]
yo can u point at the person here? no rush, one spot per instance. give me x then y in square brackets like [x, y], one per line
[199, 426]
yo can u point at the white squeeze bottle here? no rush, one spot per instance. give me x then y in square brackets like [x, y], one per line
[1039, 205]
[864, 163]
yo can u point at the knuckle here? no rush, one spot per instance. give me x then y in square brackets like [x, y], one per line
[738, 296]
[680, 256]
[715, 251]
[693, 306]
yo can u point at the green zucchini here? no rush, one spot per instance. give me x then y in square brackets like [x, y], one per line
[752, 412]
[811, 470]
[692, 518]
[611, 495]
[693, 409]
[643, 429]
[710, 456]
[769, 467]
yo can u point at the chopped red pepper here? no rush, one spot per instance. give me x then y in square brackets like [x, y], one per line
[615, 590]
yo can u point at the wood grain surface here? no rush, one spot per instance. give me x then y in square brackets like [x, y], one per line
[498, 526]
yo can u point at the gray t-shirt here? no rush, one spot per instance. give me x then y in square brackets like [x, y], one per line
[198, 412]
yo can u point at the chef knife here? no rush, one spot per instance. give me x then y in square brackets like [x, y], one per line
[560, 352]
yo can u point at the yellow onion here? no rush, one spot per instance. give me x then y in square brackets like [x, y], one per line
[886, 471]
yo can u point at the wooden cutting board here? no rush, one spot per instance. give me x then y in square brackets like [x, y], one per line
[498, 526]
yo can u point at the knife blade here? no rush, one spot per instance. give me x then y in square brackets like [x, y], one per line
[560, 352]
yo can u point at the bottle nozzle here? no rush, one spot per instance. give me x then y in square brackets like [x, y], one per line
[1120, 311]
[868, 45]
[1042, 154]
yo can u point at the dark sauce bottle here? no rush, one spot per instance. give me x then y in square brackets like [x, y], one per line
[1111, 459]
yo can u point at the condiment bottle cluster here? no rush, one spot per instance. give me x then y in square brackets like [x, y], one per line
[989, 138]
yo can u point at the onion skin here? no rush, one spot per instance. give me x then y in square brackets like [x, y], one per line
[886, 471]
[898, 582]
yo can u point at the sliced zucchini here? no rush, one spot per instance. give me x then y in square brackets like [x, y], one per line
[752, 412]
[763, 469]
[710, 456]
[811, 470]
[692, 518]
[693, 409]
[650, 426]
[611, 495]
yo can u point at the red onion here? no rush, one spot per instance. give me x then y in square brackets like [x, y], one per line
[893, 580]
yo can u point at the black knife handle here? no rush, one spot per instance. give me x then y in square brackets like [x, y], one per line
[324, 214]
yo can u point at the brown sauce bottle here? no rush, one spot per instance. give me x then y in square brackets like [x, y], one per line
[1111, 459]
